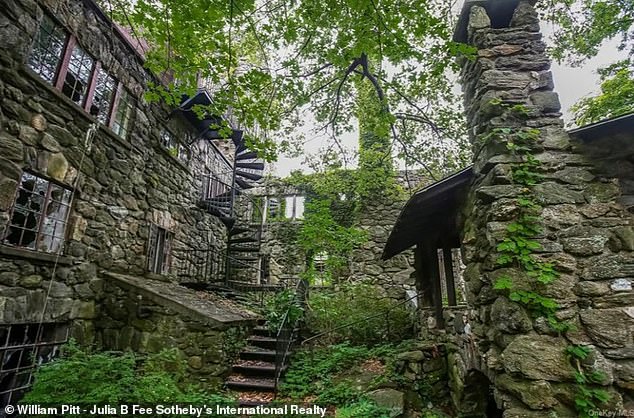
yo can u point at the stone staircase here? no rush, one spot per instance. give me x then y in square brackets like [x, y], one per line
[252, 376]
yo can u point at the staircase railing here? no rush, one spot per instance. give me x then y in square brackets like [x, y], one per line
[289, 330]
[199, 265]
[209, 266]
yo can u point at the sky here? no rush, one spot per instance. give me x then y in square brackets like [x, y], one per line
[571, 84]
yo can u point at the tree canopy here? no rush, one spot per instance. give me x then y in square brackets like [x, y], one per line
[273, 64]
[583, 26]
[270, 61]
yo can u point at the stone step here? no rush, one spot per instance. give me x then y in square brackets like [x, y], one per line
[258, 354]
[262, 341]
[248, 384]
[263, 331]
[256, 371]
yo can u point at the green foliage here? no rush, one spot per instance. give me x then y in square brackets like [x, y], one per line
[81, 377]
[517, 248]
[281, 304]
[322, 234]
[578, 352]
[359, 313]
[588, 398]
[582, 27]
[616, 97]
[268, 62]
[313, 371]
[362, 408]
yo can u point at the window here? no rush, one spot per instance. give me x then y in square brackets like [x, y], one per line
[104, 95]
[78, 75]
[174, 147]
[61, 61]
[320, 264]
[159, 250]
[22, 348]
[46, 55]
[273, 208]
[39, 216]
[289, 207]
[123, 114]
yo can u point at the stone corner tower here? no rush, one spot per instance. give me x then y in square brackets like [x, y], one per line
[583, 232]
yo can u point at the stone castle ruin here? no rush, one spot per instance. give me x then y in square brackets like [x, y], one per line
[117, 215]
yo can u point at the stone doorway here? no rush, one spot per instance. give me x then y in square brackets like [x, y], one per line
[478, 400]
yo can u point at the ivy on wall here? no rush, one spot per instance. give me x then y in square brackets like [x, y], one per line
[517, 250]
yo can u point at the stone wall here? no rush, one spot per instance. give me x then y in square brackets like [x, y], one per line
[121, 185]
[395, 275]
[586, 232]
[155, 316]
[279, 243]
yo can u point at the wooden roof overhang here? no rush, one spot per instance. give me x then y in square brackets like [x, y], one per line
[431, 216]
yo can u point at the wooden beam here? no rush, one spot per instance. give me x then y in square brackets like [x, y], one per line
[423, 285]
[432, 271]
[449, 277]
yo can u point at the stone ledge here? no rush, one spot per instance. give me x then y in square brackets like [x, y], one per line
[35, 255]
[214, 311]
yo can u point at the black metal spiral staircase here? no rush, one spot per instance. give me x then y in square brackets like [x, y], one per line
[239, 212]
[222, 195]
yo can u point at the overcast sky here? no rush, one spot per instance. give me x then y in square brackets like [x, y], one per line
[571, 84]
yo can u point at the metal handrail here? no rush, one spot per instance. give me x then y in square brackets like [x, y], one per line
[208, 265]
[213, 187]
[288, 330]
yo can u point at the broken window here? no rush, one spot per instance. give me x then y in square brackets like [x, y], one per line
[78, 75]
[287, 207]
[46, 54]
[104, 95]
[175, 148]
[39, 216]
[61, 61]
[22, 348]
[159, 250]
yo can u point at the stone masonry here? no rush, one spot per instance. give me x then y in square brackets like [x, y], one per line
[122, 185]
[587, 232]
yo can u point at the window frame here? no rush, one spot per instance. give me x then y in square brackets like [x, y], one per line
[178, 146]
[62, 71]
[159, 238]
[42, 340]
[41, 217]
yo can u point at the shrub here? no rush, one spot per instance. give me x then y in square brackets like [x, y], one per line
[276, 307]
[358, 313]
[80, 377]
[362, 408]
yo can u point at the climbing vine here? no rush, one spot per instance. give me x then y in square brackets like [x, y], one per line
[587, 397]
[519, 244]
[517, 249]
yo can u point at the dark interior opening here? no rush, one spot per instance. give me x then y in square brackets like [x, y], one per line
[478, 399]
[500, 13]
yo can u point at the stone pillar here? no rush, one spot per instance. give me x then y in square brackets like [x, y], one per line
[508, 88]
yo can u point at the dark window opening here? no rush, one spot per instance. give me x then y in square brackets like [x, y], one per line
[39, 216]
[501, 13]
[265, 269]
[78, 75]
[46, 54]
[159, 250]
[22, 348]
[175, 148]
[104, 95]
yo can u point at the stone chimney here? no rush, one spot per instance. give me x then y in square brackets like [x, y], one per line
[509, 102]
